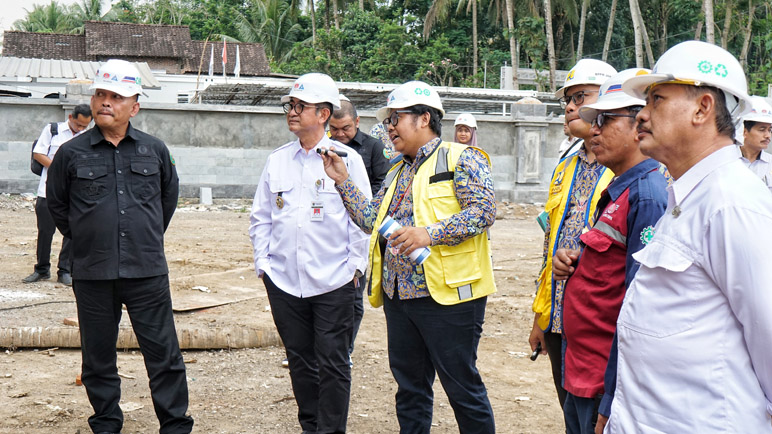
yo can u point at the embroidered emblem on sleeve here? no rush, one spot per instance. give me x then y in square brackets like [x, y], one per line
[647, 234]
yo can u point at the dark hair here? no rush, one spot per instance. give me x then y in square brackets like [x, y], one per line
[346, 109]
[82, 110]
[749, 125]
[724, 123]
[633, 110]
[435, 117]
[324, 105]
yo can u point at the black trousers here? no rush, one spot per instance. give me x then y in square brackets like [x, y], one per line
[46, 229]
[316, 332]
[554, 342]
[149, 305]
[359, 312]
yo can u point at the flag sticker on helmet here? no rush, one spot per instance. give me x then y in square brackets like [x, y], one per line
[614, 88]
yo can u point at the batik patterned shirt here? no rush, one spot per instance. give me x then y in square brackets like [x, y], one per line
[473, 183]
[587, 176]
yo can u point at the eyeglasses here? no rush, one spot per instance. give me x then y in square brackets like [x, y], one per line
[298, 108]
[577, 98]
[600, 118]
[394, 117]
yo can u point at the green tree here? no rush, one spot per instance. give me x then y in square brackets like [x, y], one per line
[272, 23]
[51, 18]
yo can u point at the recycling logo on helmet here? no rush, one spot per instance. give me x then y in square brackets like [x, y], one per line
[419, 91]
[706, 68]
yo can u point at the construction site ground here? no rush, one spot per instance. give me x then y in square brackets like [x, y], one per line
[247, 390]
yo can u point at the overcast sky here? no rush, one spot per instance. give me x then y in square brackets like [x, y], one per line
[15, 9]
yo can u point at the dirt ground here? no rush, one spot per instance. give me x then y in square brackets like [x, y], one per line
[246, 390]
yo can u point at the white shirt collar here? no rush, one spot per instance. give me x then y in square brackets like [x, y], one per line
[684, 185]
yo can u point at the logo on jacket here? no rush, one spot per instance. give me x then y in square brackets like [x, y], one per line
[647, 234]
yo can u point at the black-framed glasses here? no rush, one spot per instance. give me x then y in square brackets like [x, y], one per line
[577, 98]
[600, 118]
[394, 117]
[297, 108]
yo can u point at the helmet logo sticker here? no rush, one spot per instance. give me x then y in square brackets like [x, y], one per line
[706, 68]
[570, 75]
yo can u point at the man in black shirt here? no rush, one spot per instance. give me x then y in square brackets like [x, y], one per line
[113, 191]
[344, 127]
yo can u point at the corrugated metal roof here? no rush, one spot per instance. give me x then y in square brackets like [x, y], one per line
[58, 68]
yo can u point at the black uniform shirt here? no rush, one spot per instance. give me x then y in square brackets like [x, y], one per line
[115, 203]
[376, 163]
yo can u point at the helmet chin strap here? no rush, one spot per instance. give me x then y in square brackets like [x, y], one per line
[733, 105]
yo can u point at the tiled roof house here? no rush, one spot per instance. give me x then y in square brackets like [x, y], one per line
[163, 47]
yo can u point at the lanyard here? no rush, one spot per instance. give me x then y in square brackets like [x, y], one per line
[404, 193]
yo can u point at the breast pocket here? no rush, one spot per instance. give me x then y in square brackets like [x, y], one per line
[280, 196]
[600, 243]
[333, 204]
[663, 302]
[442, 198]
[145, 179]
[91, 182]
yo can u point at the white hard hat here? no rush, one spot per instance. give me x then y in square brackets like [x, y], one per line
[118, 76]
[313, 88]
[410, 94]
[761, 111]
[610, 95]
[466, 119]
[697, 63]
[586, 71]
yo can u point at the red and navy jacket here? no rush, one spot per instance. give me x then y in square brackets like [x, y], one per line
[628, 210]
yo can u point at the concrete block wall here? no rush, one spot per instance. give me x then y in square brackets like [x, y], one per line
[225, 147]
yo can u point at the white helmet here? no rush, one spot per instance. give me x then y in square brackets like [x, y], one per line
[410, 94]
[313, 88]
[586, 71]
[760, 112]
[343, 98]
[697, 63]
[118, 76]
[466, 119]
[610, 95]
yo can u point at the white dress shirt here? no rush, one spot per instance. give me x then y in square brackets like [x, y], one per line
[695, 329]
[762, 167]
[42, 147]
[304, 257]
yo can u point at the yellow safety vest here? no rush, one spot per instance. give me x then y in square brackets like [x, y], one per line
[454, 274]
[561, 189]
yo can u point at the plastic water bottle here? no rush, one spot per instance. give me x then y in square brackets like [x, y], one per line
[388, 226]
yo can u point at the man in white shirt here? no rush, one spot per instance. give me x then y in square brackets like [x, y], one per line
[45, 148]
[756, 133]
[694, 330]
[311, 256]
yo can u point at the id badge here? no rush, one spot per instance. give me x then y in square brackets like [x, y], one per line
[317, 211]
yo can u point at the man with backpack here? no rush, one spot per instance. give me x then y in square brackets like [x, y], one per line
[53, 136]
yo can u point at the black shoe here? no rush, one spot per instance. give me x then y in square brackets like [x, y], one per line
[35, 276]
[65, 279]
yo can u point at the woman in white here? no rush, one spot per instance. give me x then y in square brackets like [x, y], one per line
[466, 129]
